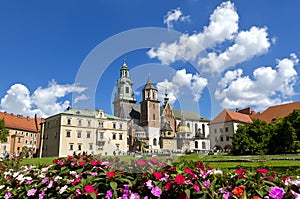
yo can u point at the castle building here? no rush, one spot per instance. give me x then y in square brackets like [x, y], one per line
[157, 127]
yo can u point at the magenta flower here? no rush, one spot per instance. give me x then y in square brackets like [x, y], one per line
[226, 195]
[108, 194]
[45, 180]
[31, 192]
[41, 195]
[156, 191]
[197, 188]
[8, 195]
[206, 183]
[276, 192]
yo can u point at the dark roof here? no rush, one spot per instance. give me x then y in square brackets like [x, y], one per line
[149, 85]
[189, 115]
[166, 127]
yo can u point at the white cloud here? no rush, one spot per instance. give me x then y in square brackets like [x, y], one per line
[247, 45]
[268, 87]
[80, 98]
[174, 16]
[223, 26]
[43, 101]
[182, 83]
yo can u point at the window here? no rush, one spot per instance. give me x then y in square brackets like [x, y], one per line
[34, 142]
[79, 147]
[188, 125]
[120, 136]
[89, 123]
[30, 142]
[18, 148]
[221, 139]
[88, 134]
[71, 147]
[91, 146]
[30, 134]
[118, 146]
[68, 121]
[221, 130]
[114, 125]
[226, 129]
[196, 128]
[26, 141]
[203, 145]
[127, 89]
[68, 134]
[203, 129]
[101, 135]
[79, 122]
[121, 126]
[153, 116]
[216, 139]
[153, 106]
[100, 124]
[19, 140]
[227, 138]
[26, 134]
[114, 136]
[154, 142]
[100, 145]
[196, 144]
[215, 130]
[79, 134]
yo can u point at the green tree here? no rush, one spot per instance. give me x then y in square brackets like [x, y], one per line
[294, 119]
[284, 138]
[253, 138]
[3, 131]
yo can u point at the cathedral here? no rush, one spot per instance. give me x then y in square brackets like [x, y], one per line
[154, 126]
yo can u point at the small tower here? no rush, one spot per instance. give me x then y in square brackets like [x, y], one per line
[150, 114]
[124, 98]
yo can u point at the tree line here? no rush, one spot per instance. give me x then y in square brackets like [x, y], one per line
[260, 137]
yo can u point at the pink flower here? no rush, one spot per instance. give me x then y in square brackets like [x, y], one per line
[77, 180]
[206, 183]
[168, 185]
[179, 179]
[149, 184]
[31, 192]
[156, 191]
[197, 188]
[154, 160]
[78, 192]
[188, 171]
[94, 162]
[262, 170]
[110, 174]
[141, 162]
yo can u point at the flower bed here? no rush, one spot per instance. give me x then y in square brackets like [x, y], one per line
[91, 177]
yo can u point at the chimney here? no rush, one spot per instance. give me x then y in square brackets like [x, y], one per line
[236, 109]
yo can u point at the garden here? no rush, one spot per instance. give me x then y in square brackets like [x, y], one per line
[87, 176]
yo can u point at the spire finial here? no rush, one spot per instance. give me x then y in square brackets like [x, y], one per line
[124, 62]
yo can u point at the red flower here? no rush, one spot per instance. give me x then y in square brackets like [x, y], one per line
[141, 162]
[169, 185]
[179, 179]
[77, 180]
[240, 172]
[188, 171]
[90, 189]
[110, 174]
[171, 168]
[157, 175]
[256, 197]
[81, 163]
[94, 162]
[182, 195]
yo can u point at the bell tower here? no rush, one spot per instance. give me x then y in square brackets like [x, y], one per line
[150, 114]
[124, 98]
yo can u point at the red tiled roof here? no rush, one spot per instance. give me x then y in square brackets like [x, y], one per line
[228, 116]
[274, 112]
[19, 122]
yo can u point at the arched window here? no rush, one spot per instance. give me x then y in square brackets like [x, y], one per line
[196, 128]
[203, 128]
[203, 145]
[196, 144]
[154, 142]
[188, 125]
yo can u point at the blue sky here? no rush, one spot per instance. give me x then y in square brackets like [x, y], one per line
[219, 54]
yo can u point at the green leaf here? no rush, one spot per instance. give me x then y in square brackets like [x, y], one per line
[188, 192]
[113, 185]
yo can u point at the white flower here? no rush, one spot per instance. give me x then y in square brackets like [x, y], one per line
[73, 173]
[2, 186]
[218, 172]
[16, 174]
[57, 178]
[63, 189]
[20, 177]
